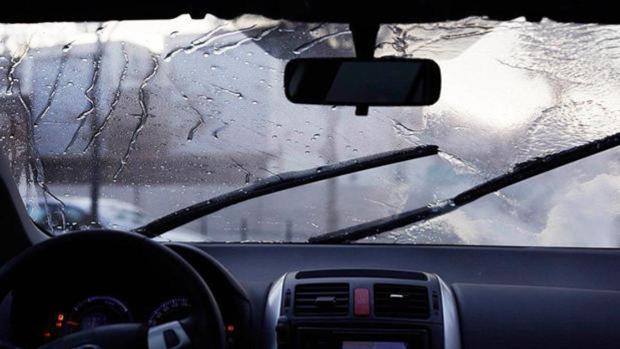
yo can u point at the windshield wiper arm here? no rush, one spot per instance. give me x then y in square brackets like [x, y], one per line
[519, 172]
[278, 183]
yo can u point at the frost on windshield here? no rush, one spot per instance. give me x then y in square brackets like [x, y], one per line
[114, 124]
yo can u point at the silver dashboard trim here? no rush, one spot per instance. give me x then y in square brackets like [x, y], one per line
[272, 313]
[451, 326]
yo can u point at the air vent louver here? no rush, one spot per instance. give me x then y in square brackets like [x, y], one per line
[322, 299]
[403, 301]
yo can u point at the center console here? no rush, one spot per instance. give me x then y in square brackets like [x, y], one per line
[361, 309]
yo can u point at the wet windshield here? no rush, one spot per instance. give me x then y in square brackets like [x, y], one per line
[114, 124]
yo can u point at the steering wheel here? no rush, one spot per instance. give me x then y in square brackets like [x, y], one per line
[203, 328]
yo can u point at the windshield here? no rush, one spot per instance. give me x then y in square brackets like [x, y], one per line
[113, 124]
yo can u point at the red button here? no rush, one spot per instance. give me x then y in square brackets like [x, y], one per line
[361, 302]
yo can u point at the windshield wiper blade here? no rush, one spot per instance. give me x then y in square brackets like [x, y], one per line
[519, 172]
[278, 183]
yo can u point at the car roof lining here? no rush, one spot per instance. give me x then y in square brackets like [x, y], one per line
[344, 11]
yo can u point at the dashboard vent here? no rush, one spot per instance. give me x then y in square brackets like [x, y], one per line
[322, 299]
[401, 301]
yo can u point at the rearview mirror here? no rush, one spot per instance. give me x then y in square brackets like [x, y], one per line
[350, 81]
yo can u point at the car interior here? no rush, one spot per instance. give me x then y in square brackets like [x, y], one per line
[100, 288]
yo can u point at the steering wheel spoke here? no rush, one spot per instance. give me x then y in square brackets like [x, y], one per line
[170, 335]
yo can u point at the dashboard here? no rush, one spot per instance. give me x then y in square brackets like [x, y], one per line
[345, 297]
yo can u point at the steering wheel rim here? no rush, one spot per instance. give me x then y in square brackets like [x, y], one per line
[204, 327]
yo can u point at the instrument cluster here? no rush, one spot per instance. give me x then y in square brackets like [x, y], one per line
[96, 311]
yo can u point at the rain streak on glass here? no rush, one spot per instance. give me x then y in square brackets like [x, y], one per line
[114, 124]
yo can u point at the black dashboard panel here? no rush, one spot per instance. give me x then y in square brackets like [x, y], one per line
[575, 272]
[256, 266]
[495, 316]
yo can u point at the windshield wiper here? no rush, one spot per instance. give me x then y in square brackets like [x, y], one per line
[519, 172]
[278, 183]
